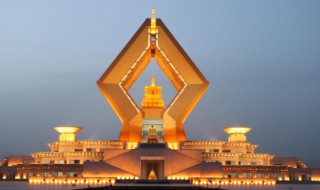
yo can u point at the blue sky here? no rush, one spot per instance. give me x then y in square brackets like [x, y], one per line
[261, 58]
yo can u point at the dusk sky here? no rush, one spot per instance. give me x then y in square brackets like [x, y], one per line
[262, 59]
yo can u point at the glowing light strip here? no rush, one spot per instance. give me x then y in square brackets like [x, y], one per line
[130, 99]
[130, 70]
[177, 74]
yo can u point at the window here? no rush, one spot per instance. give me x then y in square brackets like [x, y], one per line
[273, 175]
[260, 175]
[44, 174]
[32, 174]
[242, 163]
[233, 175]
[78, 150]
[152, 141]
[91, 149]
[72, 174]
[226, 151]
[215, 150]
[51, 161]
[247, 175]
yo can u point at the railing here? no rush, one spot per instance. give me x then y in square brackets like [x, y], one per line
[4, 162]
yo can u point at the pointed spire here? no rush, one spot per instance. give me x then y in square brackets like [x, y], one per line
[153, 25]
[153, 80]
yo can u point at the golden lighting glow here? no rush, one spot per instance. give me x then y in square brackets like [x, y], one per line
[173, 145]
[152, 175]
[124, 71]
[152, 96]
[237, 133]
[236, 130]
[153, 26]
[68, 129]
[132, 145]
[153, 80]
[68, 133]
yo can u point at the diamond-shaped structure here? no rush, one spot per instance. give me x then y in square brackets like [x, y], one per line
[153, 40]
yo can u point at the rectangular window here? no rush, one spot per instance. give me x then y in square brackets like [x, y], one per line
[228, 162]
[90, 149]
[44, 174]
[216, 150]
[273, 175]
[247, 175]
[242, 163]
[55, 174]
[72, 174]
[152, 141]
[226, 151]
[78, 150]
[260, 175]
[60, 174]
[233, 175]
[32, 174]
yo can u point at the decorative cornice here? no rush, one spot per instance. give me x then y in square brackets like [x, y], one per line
[236, 155]
[67, 154]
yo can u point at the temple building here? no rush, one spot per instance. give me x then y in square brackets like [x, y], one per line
[152, 144]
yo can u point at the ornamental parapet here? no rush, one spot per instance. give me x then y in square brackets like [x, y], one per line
[67, 154]
[216, 155]
[84, 154]
[102, 142]
[265, 156]
[249, 169]
[50, 167]
[81, 143]
[48, 154]
[208, 144]
[203, 143]
[237, 155]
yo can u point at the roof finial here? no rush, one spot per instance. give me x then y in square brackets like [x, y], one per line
[153, 80]
[153, 25]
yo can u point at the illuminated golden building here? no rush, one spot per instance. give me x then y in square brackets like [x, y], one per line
[153, 40]
[237, 151]
[152, 143]
[69, 150]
